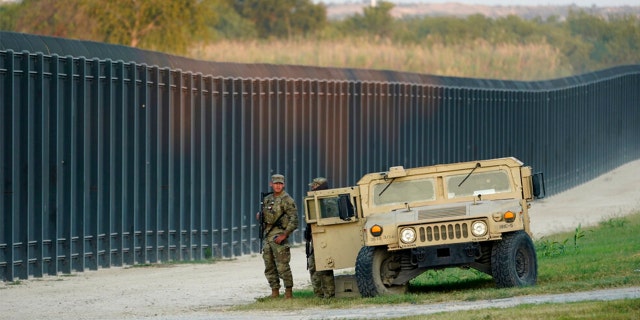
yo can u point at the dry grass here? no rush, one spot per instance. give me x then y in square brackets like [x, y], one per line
[476, 60]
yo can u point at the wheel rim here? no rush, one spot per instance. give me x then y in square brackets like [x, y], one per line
[387, 272]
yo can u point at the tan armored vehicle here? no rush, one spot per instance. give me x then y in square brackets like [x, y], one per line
[395, 225]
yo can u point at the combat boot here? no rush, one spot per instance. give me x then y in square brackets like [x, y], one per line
[275, 293]
[288, 293]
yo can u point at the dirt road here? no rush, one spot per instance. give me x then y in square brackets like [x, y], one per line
[205, 291]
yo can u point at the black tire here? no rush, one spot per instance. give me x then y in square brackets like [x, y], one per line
[376, 268]
[514, 262]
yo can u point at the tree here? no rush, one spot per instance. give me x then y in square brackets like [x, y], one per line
[624, 44]
[68, 19]
[169, 26]
[231, 25]
[375, 21]
[283, 18]
[594, 32]
[378, 19]
[8, 16]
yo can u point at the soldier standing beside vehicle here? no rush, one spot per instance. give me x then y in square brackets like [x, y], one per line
[280, 218]
[322, 281]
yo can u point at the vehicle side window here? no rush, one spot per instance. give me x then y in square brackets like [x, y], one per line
[329, 207]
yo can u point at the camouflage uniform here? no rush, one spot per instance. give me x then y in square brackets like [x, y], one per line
[322, 281]
[280, 216]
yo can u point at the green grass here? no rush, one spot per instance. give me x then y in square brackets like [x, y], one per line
[610, 310]
[604, 256]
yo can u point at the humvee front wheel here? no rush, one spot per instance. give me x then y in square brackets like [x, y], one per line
[376, 269]
[513, 261]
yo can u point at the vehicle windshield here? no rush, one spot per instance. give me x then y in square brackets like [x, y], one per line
[404, 191]
[477, 183]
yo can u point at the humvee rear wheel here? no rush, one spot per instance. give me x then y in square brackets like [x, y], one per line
[514, 262]
[376, 269]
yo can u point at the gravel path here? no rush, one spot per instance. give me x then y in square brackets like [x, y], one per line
[194, 291]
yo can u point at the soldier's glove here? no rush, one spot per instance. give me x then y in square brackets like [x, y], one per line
[280, 239]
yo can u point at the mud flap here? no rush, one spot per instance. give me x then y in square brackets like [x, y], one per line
[346, 286]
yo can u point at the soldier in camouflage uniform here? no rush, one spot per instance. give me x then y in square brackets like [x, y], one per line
[322, 281]
[280, 220]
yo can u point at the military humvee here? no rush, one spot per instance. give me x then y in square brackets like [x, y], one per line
[394, 225]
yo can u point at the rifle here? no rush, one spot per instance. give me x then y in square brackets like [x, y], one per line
[261, 235]
[308, 249]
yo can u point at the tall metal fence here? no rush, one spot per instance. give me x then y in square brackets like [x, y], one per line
[109, 163]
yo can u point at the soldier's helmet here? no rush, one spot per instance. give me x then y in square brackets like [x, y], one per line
[318, 183]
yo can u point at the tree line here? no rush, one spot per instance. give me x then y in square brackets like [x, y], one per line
[588, 42]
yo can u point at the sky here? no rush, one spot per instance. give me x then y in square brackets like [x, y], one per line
[581, 3]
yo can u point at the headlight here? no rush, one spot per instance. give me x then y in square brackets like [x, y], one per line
[407, 235]
[479, 228]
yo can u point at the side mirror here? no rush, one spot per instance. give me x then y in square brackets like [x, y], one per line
[538, 185]
[345, 208]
